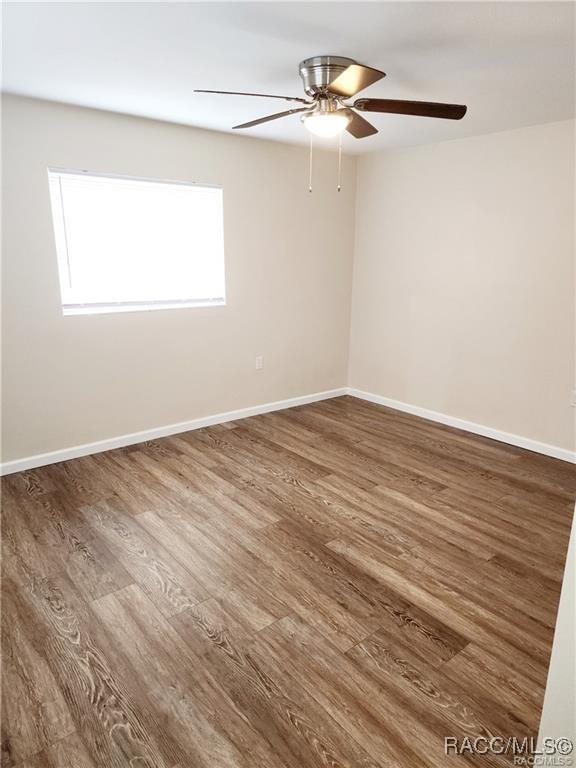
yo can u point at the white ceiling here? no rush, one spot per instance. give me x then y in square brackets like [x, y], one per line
[512, 63]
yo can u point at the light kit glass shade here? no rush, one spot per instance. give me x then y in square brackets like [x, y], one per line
[326, 124]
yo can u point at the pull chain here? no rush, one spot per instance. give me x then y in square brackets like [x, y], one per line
[339, 162]
[310, 168]
[310, 164]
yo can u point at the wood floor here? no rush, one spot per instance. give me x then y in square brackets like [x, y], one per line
[334, 585]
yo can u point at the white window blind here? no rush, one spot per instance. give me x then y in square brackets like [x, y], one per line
[126, 244]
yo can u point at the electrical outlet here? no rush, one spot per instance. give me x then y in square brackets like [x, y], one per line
[573, 399]
[259, 363]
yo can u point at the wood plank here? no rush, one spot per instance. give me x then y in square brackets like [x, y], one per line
[195, 710]
[81, 660]
[337, 584]
[68, 752]
[283, 712]
[34, 710]
[170, 586]
[384, 726]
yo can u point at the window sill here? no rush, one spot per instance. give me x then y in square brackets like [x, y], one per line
[137, 306]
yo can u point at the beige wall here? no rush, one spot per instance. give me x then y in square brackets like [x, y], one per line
[73, 380]
[559, 709]
[463, 298]
[463, 290]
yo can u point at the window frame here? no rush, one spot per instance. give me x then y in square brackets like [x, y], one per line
[114, 307]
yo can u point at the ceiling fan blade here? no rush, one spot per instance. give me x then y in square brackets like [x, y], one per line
[358, 126]
[263, 95]
[421, 108]
[271, 117]
[354, 79]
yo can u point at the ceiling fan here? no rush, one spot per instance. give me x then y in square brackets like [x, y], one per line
[328, 82]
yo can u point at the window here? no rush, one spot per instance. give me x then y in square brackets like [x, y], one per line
[129, 244]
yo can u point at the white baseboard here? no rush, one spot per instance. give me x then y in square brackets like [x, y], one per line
[469, 426]
[75, 452]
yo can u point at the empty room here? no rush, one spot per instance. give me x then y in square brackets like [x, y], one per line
[288, 384]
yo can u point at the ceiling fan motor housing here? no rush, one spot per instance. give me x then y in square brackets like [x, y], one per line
[318, 72]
